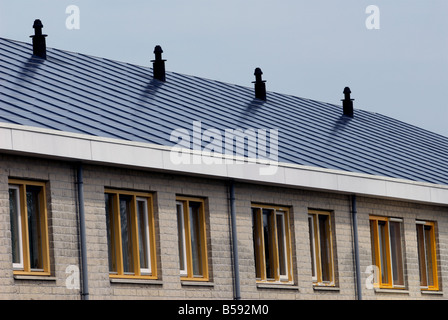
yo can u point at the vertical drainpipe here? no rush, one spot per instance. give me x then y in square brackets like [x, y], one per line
[237, 293]
[82, 231]
[355, 240]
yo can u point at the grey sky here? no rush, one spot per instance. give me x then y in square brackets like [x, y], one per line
[311, 49]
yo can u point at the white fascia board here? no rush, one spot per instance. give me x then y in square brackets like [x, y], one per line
[5, 139]
[53, 145]
[125, 154]
[97, 150]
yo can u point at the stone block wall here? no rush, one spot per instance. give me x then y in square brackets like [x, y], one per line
[60, 178]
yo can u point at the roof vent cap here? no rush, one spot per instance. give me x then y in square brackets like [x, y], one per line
[158, 64]
[39, 46]
[260, 86]
[347, 103]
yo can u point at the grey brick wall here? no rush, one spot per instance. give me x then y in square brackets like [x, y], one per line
[64, 239]
[62, 225]
[409, 212]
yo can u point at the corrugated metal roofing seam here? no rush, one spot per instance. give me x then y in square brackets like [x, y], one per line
[80, 93]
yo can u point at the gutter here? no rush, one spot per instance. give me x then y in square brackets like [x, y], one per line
[356, 245]
[82, 232]
[237, 288]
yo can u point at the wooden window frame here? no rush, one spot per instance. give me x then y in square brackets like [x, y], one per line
[44, 246]
[315, 245]
[376, 254]
[188, 274]
[259, 250]
[435, 286]
[116, 239]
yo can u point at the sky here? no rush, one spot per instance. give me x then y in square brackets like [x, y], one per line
[394, 59]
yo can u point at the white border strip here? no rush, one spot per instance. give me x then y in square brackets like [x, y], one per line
[78, 147]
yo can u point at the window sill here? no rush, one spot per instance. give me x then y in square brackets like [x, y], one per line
[385, 290]
[325, 288]
[33, 277]
[196, 283]
[434, 292]
[135, 281]
[285, 286]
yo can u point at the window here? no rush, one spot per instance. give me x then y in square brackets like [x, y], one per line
[29, 228]
[427, 255]
[130, 234]
[192, 239]
[387, 252]
[321, 247]
[272, 244]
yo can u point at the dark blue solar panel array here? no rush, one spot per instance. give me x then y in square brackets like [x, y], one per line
[79, 93]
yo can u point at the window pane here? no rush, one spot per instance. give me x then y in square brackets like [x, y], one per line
[396, 253]
[143, 234]
[281, 241]
[14, 212]
[268, 245]
[110, 232]
[312, 246]
[325, 247]
[258, 250]
[195, 234]
[422, 256]
[181, 237]
[383, 251]
[34, 227]
[429, 254]
[126, 243]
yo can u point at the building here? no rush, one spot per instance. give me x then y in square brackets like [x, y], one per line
[120, 181]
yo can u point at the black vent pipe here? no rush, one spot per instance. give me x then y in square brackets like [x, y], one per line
[260, 85]
[158, 64]
[39, 46]
[347, 103]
